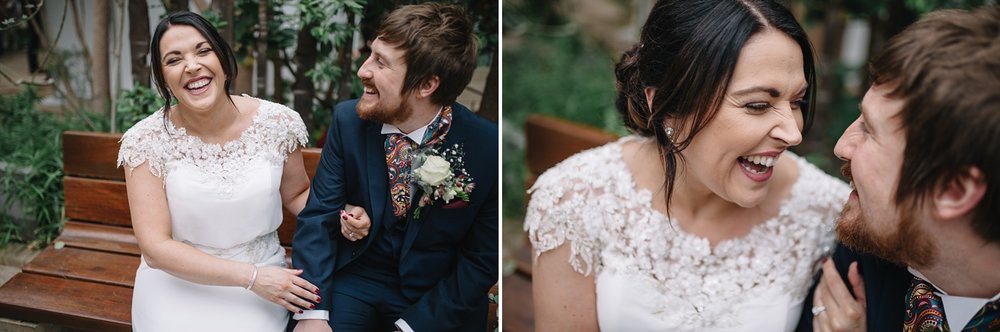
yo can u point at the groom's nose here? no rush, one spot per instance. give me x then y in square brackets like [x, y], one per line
[848, 141]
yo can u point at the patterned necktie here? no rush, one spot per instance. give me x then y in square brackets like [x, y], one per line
[924, 311]
[398, 154]
[987, 319]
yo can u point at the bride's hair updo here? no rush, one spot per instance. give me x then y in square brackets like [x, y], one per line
[688, 50]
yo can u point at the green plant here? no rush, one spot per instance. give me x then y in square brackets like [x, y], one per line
[31, 153]
[136, 104]
[555, 75]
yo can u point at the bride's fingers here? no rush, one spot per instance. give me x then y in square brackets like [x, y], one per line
[842, 312]
[357, 221]
[288, 306]
[346, 229]
[820, 321]
[360, 219]
[306, 286]
[298, 298]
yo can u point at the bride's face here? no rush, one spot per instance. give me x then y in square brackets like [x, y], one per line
[736, 156]
[191, 68]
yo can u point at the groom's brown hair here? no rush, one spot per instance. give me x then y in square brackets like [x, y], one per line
[438, 41]
[946, 69]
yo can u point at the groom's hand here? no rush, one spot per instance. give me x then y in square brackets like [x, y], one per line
[354, 223]
[312, 325]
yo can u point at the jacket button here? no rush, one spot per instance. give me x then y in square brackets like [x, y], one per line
[354, 253]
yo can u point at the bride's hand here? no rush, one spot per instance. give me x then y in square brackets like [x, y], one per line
[286, 288]
[354, 223]
[834, 309]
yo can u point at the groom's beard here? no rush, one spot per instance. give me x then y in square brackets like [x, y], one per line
[908, 246]
[380, 112]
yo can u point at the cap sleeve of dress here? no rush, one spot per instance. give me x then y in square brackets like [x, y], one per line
[294, 134]
[144, 142]
[560, 210]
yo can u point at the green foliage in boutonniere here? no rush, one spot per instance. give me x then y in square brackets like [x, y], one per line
[441, 176]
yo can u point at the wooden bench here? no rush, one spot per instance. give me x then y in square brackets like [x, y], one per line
[87, 283]
[549, 141]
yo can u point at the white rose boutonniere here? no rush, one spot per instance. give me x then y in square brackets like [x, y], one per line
[433, 171]
[441, 176]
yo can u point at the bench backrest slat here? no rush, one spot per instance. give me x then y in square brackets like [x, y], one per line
[94, 200]
[89, 154]
[550, 140]
[94, 188]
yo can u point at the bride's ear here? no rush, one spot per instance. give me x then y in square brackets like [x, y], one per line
[650, 93]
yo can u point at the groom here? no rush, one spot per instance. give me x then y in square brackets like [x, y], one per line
[425, 169]
[921, 230]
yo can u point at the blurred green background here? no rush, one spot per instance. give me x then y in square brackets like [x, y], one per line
[558, 59]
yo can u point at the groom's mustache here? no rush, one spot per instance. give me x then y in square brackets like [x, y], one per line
[846, 171]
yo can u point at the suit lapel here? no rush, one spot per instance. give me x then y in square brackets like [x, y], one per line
[456, 135]
[378, 186]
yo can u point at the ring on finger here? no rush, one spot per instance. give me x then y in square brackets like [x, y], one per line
[816, 310]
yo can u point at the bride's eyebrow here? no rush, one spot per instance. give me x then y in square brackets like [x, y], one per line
[755, 89]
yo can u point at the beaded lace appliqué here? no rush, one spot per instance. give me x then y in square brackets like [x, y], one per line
[591, 200]
[275, 132]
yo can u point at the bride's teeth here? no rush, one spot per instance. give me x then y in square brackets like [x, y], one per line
[761, 160]
[198, 84]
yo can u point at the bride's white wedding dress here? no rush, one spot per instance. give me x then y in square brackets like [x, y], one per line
[653, 276]
[224, 201]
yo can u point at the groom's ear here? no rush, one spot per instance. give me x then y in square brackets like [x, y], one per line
[428, 87]
[961, 195]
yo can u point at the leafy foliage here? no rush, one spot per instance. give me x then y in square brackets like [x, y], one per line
[31, 152]
[554, 75]
[135, 105]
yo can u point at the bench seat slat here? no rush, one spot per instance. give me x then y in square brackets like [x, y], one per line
[99, 237]
[87, 265]
[73, 303]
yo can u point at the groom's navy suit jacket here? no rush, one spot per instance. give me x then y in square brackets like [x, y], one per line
[885, 288]
[448, 259]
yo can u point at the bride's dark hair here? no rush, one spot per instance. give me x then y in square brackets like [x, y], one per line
[688, 50]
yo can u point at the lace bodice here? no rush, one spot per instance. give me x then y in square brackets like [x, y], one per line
[276, 131]
[591, 201]
[223, 199]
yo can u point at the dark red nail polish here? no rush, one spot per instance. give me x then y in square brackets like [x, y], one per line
[300, 311]
[316, 291]
[351, 214]
[318, 299]
[312, 306]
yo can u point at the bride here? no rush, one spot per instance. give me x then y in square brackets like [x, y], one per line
[700, 220]
[207, 179]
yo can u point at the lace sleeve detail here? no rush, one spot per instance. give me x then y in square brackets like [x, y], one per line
[295, 134]
[143, 143]
[569, 203]
[286, 127]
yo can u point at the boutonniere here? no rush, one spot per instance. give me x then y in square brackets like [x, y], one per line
[441, 176]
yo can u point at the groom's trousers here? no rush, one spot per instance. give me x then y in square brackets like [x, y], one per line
[366, 293]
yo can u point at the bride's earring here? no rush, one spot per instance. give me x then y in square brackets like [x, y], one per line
[670, 133]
